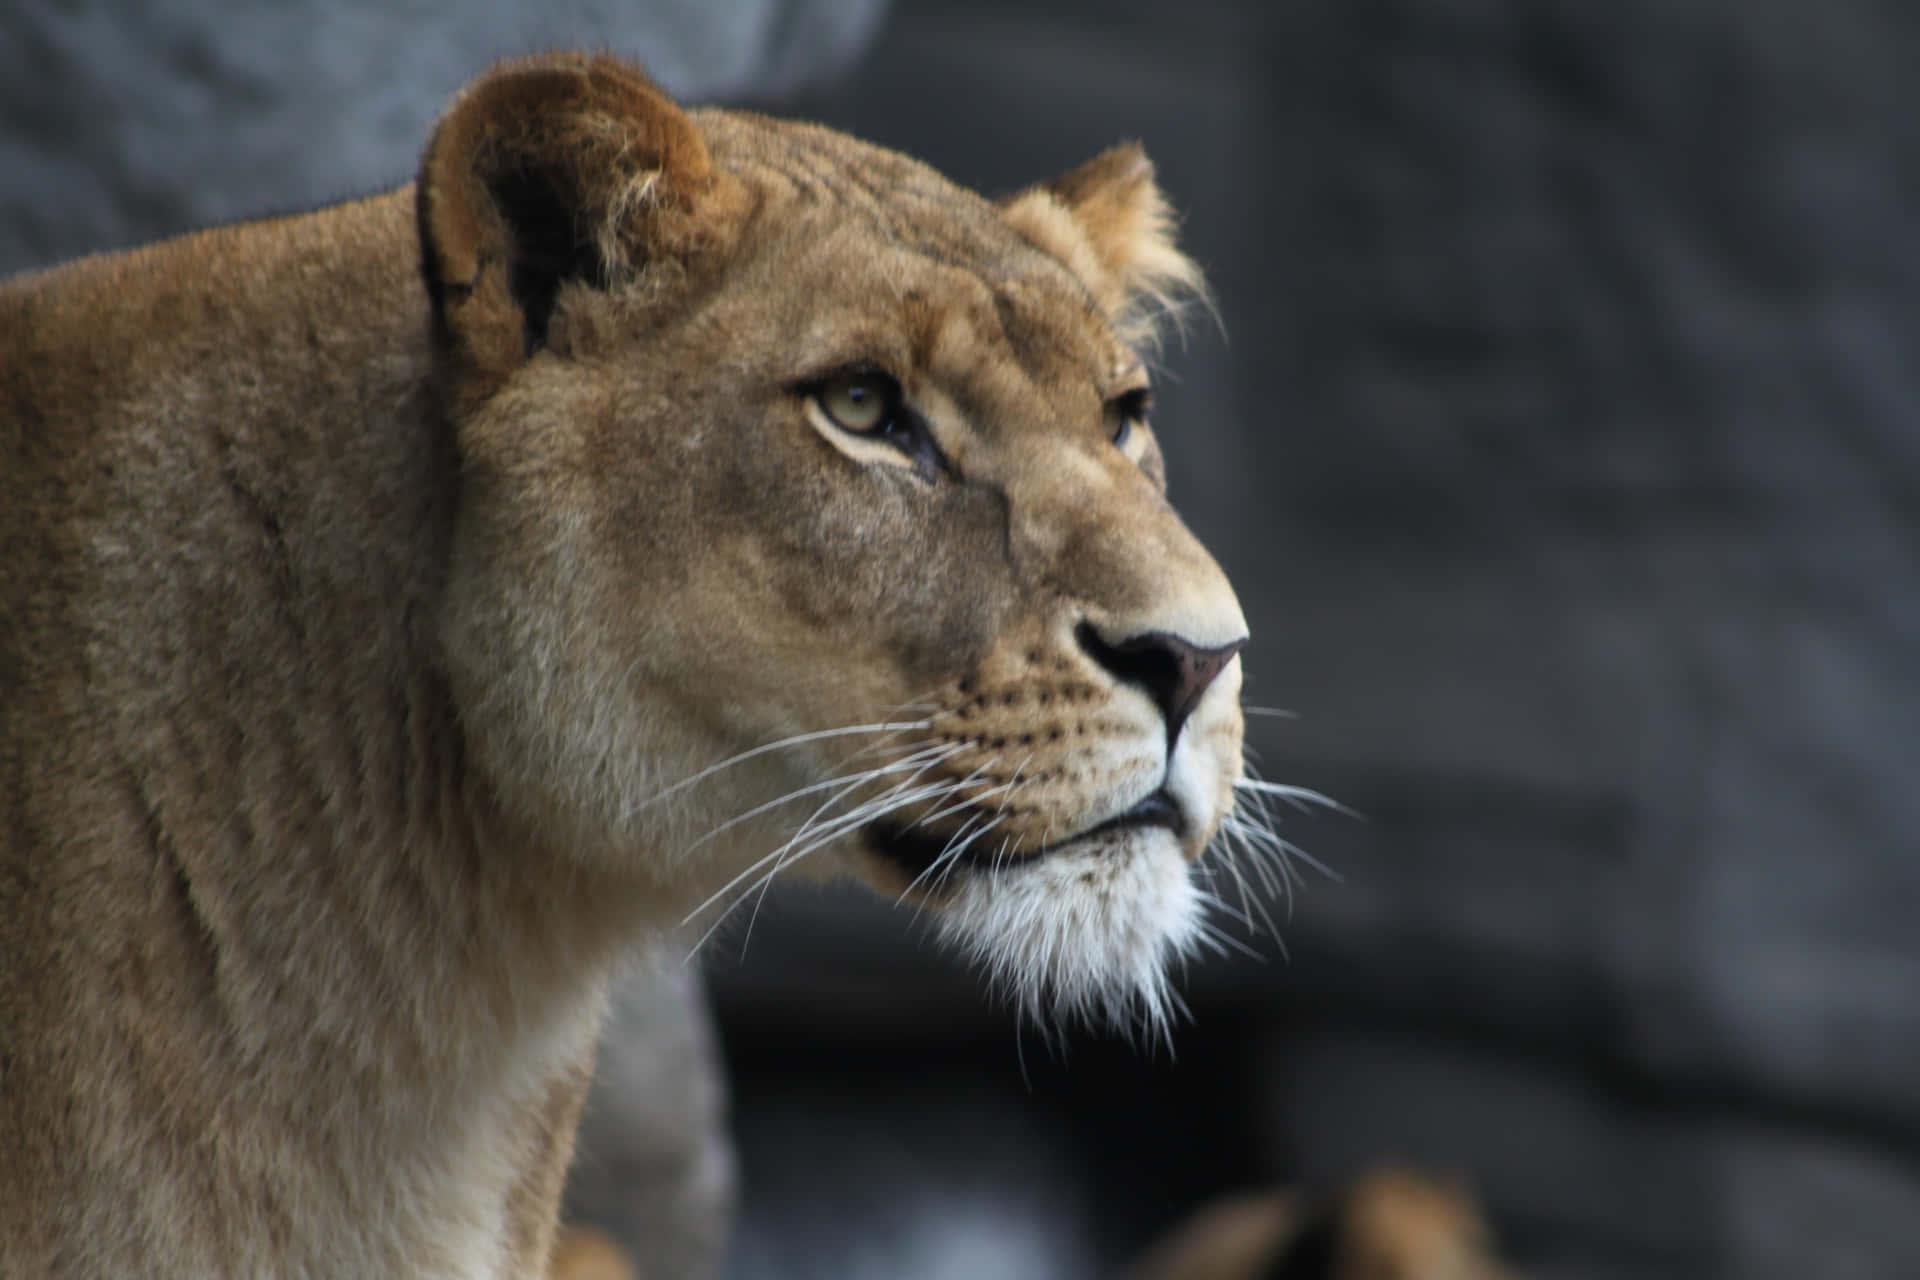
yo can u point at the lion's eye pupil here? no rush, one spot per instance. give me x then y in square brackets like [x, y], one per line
[860, 402]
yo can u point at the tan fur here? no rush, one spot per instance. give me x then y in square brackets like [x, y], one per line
[1110, 223]
[362, 645]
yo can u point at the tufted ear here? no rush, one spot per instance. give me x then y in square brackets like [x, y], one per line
[1108, 220]
[548, 170]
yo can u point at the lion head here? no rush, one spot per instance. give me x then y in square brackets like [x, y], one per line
[810, 517]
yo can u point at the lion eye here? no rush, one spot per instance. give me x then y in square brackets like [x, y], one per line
[865, 415]
[863, 403]
[1130, 410]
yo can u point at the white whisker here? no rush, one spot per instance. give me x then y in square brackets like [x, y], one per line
[947, 852]
[1251, 902]
[782, 744]
[1268, 855]
[1262, 870]
[847, 783]
[972, 802]
[1222, 942]
[822, 835]
[1301, 798]
[951, 853]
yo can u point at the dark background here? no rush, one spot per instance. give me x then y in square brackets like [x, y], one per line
[1562, 442]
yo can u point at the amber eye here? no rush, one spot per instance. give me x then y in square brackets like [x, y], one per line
[860, 408]
[863, 403]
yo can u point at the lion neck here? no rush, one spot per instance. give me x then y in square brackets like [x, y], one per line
[326, 913]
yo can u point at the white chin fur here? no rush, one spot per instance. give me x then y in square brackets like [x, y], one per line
[1084, 934]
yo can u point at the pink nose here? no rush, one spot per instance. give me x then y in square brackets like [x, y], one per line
[1173, 672]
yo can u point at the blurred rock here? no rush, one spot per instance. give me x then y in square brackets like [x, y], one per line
[1596, 1180]
[1594, 518]
[928, 1176]
[128, 120]
[653, 1165]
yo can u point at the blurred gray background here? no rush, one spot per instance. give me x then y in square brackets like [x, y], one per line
[1565, 445]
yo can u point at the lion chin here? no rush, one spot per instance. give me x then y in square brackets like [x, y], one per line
[1086, 934]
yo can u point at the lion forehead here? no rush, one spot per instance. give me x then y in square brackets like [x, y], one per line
[904, 262]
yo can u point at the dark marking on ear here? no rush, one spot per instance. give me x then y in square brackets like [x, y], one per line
[550, 169]
[548, 250]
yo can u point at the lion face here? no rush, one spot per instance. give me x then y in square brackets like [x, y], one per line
[810, 519]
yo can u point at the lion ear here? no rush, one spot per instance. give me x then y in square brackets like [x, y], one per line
[544, 171]
[1108, 220]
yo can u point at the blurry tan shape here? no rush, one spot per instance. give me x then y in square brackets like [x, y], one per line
[1229, 1239]
[1399, 1224]
[584, 1253]
[1392, 1224]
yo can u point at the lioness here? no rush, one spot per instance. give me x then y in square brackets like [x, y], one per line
[404, 607]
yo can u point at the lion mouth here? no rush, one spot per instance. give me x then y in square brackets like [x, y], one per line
[917, 852]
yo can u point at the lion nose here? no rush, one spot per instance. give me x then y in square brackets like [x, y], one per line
[1173, 672]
